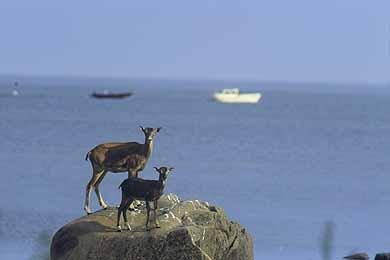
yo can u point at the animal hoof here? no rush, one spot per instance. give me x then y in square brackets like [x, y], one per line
[88, 210]
[119, 229]
[128, 227]
[158, 226]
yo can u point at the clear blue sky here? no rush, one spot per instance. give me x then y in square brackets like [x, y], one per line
[293, 40]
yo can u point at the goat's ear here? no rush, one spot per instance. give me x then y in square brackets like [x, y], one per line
[157, 169]
[171, 169]
[143, 129]
[158, 129]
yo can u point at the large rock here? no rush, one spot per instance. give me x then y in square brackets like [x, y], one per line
[382, 256]
[357, 256]
[189, 230]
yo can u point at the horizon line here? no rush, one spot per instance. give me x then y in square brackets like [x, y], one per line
[189, 79]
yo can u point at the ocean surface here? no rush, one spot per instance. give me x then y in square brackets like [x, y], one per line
[306, 170]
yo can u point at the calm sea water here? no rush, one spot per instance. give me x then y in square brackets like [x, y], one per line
[282, 168]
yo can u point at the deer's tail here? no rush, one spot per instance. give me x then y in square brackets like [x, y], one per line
[87, 156]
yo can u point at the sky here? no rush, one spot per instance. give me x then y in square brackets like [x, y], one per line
[300, 40]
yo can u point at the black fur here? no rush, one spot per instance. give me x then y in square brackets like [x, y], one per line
[147, 190]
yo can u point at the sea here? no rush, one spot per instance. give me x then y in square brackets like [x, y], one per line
[306, 170]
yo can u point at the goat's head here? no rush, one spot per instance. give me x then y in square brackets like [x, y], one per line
[164, 172]
[149, 132]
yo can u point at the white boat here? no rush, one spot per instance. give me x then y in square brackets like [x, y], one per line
[233, 95]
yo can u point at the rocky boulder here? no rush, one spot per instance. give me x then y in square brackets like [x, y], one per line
[189, 230]
[357, 256]
[382, 256]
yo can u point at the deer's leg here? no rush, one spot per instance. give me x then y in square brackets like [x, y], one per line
[132, 173]
[156, 222]
[147, 214]
[97, 191]
[90, 185]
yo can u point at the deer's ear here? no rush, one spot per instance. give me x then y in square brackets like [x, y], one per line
[158, 129]
[156, 169]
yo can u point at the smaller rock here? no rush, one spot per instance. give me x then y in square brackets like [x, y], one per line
[382, 256]
[186, 220]
[357, 256]
[213, 208]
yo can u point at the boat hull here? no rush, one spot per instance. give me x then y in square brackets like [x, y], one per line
[111, 95]
[250, 98]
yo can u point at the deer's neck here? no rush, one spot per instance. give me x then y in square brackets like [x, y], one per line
[148, 147]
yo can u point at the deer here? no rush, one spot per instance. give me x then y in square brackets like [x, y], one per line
[130, 157]
[147, 190]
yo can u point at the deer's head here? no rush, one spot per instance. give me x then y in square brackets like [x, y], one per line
[150, 133]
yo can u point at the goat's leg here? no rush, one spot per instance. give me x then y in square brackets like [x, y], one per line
[97, 191]
[125, 203]
[156, 222]
[124, 212]
[119, 229]
[147, 214]
[90, 185]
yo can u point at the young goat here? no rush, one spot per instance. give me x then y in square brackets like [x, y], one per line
[147, 190]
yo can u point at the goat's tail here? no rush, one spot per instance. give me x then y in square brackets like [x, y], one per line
[122, 184]
[87, 156]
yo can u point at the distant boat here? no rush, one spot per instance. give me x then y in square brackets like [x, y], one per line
[108, 94]
[15, 92]
[233, 95]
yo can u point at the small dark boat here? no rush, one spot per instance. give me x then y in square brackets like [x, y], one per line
[107, 94]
